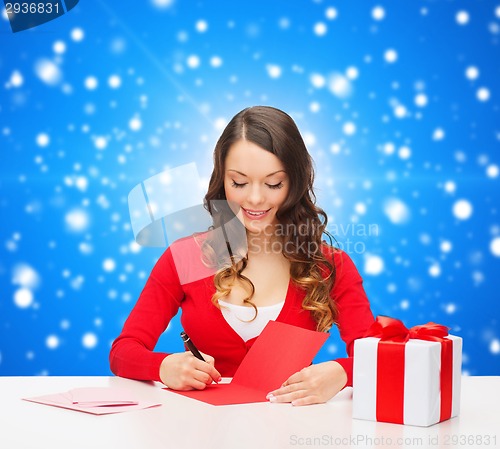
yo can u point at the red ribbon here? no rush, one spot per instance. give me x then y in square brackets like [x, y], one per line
[393, 336]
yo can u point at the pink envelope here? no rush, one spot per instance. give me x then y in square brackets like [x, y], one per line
[280, 351]
[97, 401]
[87, 397]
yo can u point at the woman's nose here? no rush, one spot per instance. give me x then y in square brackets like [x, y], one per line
[256, 196]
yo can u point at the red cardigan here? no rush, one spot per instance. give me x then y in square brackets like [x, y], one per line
[132, 354]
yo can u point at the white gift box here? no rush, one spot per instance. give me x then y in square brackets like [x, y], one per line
[421, 382]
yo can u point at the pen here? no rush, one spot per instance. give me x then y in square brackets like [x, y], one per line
[191, 346]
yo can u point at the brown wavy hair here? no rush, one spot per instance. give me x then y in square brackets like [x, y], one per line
[276, 132]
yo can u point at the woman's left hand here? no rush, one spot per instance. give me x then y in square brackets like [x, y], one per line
[311, 385]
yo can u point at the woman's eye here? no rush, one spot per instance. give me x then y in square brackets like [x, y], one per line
[235, 184]
[275, 186]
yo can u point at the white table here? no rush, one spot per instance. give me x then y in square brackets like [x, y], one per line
[184, 423]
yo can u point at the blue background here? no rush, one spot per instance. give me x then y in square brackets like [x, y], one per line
[73, 144]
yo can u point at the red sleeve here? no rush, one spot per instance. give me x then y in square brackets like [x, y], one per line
[354, 314]
[132, 353]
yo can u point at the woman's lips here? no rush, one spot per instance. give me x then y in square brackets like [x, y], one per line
[256, 215]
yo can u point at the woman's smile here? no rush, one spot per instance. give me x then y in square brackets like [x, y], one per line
[255, 214]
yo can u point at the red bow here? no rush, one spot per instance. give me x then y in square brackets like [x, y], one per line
[391, 329]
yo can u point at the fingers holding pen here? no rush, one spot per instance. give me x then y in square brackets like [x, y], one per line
[208, 366]
[202, 373]
[183, 371]
[213, 374]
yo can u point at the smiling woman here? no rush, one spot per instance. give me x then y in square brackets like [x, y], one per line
[263, 175]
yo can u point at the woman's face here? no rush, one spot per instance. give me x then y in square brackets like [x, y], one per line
[255, 180]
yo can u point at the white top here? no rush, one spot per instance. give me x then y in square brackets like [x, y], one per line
[238, 317]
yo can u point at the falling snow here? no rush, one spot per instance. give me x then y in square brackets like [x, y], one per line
[77, 34]
[397, 211]
[462, 209]
[48, 72]
[374, 265]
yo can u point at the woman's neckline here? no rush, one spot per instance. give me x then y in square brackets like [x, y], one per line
[229, 304]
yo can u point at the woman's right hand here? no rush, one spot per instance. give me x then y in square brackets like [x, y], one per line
[183, 371]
